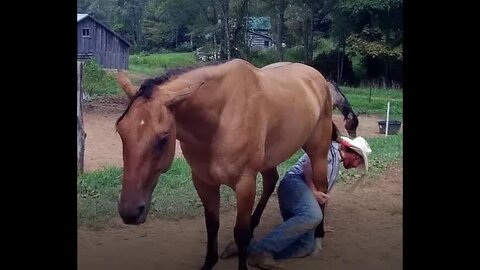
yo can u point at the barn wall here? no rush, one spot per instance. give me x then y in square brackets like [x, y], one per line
[85, 44]
[257, 41]
[109, 50]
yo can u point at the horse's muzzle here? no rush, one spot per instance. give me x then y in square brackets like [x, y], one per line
[131, 214]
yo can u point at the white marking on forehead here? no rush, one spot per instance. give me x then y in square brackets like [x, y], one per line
[142, 122]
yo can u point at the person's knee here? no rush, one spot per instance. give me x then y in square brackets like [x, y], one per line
[312, 218]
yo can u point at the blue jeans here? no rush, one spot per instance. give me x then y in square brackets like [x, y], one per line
[301, 213]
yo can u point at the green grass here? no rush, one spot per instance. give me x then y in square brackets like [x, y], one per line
[154, 64]
[175, 196]
[385, 151]
[376, 104]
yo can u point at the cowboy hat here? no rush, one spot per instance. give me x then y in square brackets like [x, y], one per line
[359, 145]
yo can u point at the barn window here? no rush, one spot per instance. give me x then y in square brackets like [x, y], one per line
[266, 43]
[86, 32]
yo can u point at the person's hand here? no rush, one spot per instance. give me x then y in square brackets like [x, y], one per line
[321, 197]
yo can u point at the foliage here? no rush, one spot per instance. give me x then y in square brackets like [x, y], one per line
[97, 81]
[366, 36]
[262, 58]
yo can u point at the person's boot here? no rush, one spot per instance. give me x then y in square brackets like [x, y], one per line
[318, 247]
[232, 249]
[264, 260]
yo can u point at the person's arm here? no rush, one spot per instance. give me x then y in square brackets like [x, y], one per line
[308, 174]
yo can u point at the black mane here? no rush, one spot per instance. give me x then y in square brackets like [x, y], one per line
[148, 86]
[347, 108]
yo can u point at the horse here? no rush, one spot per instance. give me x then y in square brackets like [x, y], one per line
[233, 121]
[339, 101]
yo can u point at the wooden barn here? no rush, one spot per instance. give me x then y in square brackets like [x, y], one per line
[259, 33]
[96, 40]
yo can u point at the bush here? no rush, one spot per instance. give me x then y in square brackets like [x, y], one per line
[97, 81]
[261, 58]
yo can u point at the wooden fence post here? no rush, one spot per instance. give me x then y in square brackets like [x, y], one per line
[80, 131]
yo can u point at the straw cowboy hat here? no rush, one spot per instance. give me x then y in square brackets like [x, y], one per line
[359, 145]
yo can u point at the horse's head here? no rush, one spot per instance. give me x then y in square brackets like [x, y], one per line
[351, 124]
[148, 134]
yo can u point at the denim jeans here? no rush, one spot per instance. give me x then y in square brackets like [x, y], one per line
[301, 213]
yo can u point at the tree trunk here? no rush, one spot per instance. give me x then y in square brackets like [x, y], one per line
[342, 58]
[338, 65]
[225, 7]
[227, 34]
[310, 38]
[176, 36]
[215, 50]
[305, 41]
[281, 23]
[81, 135]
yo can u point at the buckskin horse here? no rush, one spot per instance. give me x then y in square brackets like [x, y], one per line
[233, 121]
[339, 101]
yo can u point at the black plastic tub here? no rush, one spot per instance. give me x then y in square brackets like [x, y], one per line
[393, 126]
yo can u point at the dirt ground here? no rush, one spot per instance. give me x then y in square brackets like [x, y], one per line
[366, 216]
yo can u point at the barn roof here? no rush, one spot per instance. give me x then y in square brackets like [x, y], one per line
[259, 23]
[81, 17]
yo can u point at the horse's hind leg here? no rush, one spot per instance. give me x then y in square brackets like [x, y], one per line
[270, 178]
[210, 197]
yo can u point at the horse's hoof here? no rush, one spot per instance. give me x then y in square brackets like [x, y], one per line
[230, 251]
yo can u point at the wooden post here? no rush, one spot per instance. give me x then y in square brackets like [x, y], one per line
[80, 131]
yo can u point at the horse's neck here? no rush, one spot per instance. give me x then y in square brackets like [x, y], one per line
[340, 103]
[197, 116]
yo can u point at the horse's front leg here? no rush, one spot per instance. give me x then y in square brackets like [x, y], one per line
[270, 178]
[245, 193]
[317, 149]
[210, 197]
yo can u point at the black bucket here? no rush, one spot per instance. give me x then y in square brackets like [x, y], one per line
[393, 126]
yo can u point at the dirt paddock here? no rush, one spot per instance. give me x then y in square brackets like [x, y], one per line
[367, 217]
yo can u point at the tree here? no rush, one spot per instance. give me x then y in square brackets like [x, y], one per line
[371, 29]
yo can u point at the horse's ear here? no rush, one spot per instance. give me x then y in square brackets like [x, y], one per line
[126, 84]
[178, 95]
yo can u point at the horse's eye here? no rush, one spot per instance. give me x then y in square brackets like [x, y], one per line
[163, 139]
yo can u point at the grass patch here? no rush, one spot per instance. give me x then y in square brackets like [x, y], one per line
[97, 193]
[385, 151]
[376, 103]
[154, 64]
